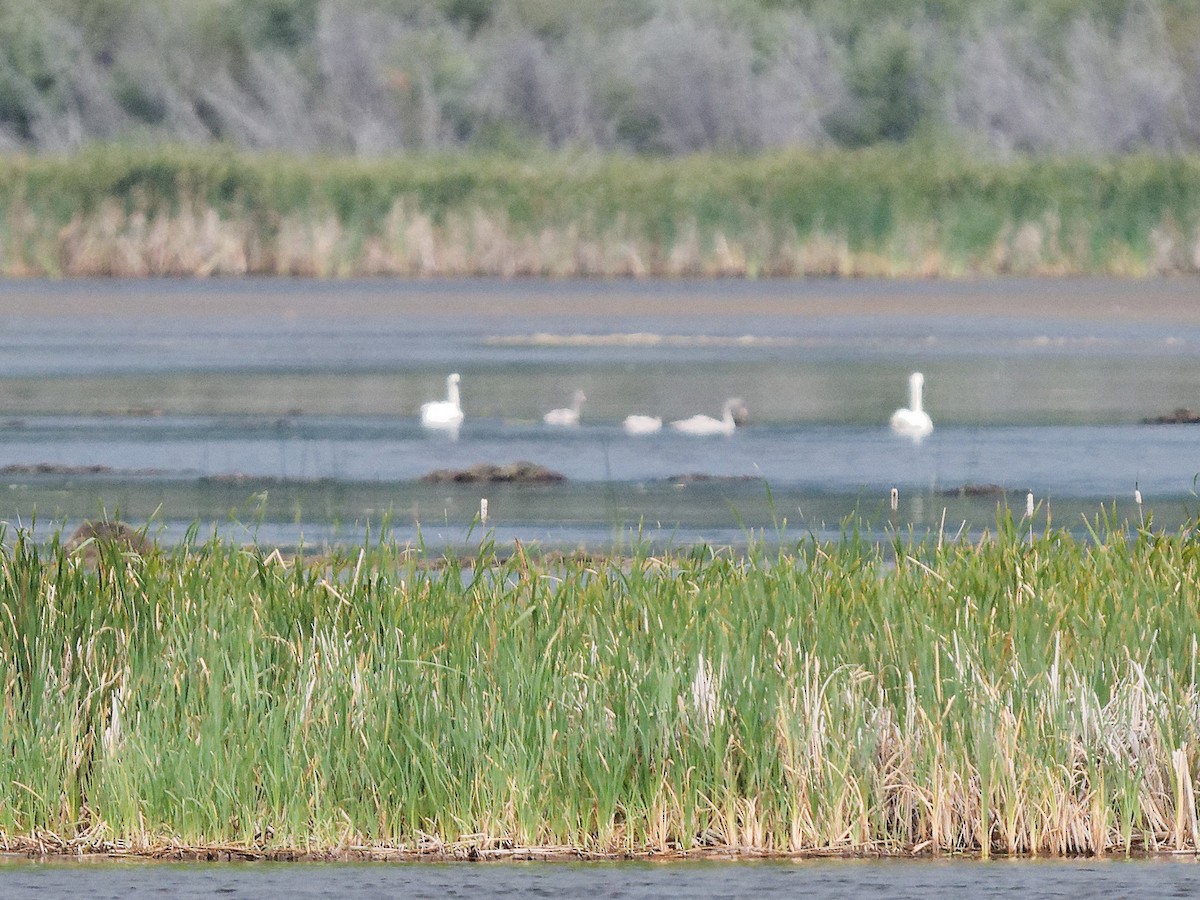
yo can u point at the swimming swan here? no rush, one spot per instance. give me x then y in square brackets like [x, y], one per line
[568, 416]
[444, 413]
[642, 424]
[913, 422]
[703, 425]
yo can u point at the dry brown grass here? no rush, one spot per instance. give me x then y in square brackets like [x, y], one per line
[196, 241]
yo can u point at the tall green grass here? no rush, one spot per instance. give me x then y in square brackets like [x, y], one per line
[883, 211]
[1000, 696]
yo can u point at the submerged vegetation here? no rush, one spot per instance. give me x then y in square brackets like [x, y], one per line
[1019, 694]
[882, 211]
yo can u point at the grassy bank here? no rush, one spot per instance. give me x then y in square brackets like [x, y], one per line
[1002, 696]
[878, 212]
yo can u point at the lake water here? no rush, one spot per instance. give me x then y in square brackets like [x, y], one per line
[287, 410]
[925, 879]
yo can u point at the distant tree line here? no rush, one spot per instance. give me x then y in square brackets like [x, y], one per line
[373, 77]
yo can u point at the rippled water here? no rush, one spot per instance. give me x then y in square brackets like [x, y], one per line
[289, 408]
[929, 880]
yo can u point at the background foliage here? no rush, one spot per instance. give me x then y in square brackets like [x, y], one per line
[369, 77]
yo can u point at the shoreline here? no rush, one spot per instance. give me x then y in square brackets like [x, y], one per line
[42, 850]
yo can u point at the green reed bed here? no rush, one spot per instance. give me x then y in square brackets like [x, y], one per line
[890, 211]
[998, 696]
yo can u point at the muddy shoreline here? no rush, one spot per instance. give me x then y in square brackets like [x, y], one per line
[50, 848]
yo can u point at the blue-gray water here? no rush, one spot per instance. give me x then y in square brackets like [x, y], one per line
[927, 880]
[287, 410]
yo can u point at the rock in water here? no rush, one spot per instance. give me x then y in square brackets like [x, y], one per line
[1180, 416]
[521, 472]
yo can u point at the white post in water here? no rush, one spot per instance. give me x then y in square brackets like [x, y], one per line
[895, 499]
[483, 510]
[1137, 498]
[1029, 513]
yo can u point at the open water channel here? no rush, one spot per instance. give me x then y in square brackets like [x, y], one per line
[924, 879]
[286, 411]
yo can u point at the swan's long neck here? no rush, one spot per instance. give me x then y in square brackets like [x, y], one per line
[577, 403]
[452, 391]
[914, 392]
[727, 414]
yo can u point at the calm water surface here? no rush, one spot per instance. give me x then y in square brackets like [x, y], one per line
[287, 410]
[636, 881]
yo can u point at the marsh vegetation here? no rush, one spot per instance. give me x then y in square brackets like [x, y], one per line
[886, 211]
[1013, 694]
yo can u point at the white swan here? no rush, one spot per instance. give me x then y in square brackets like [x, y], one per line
[568, 416]
[642, 424]
[913, 422]
[446, 414]
[704, 425]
